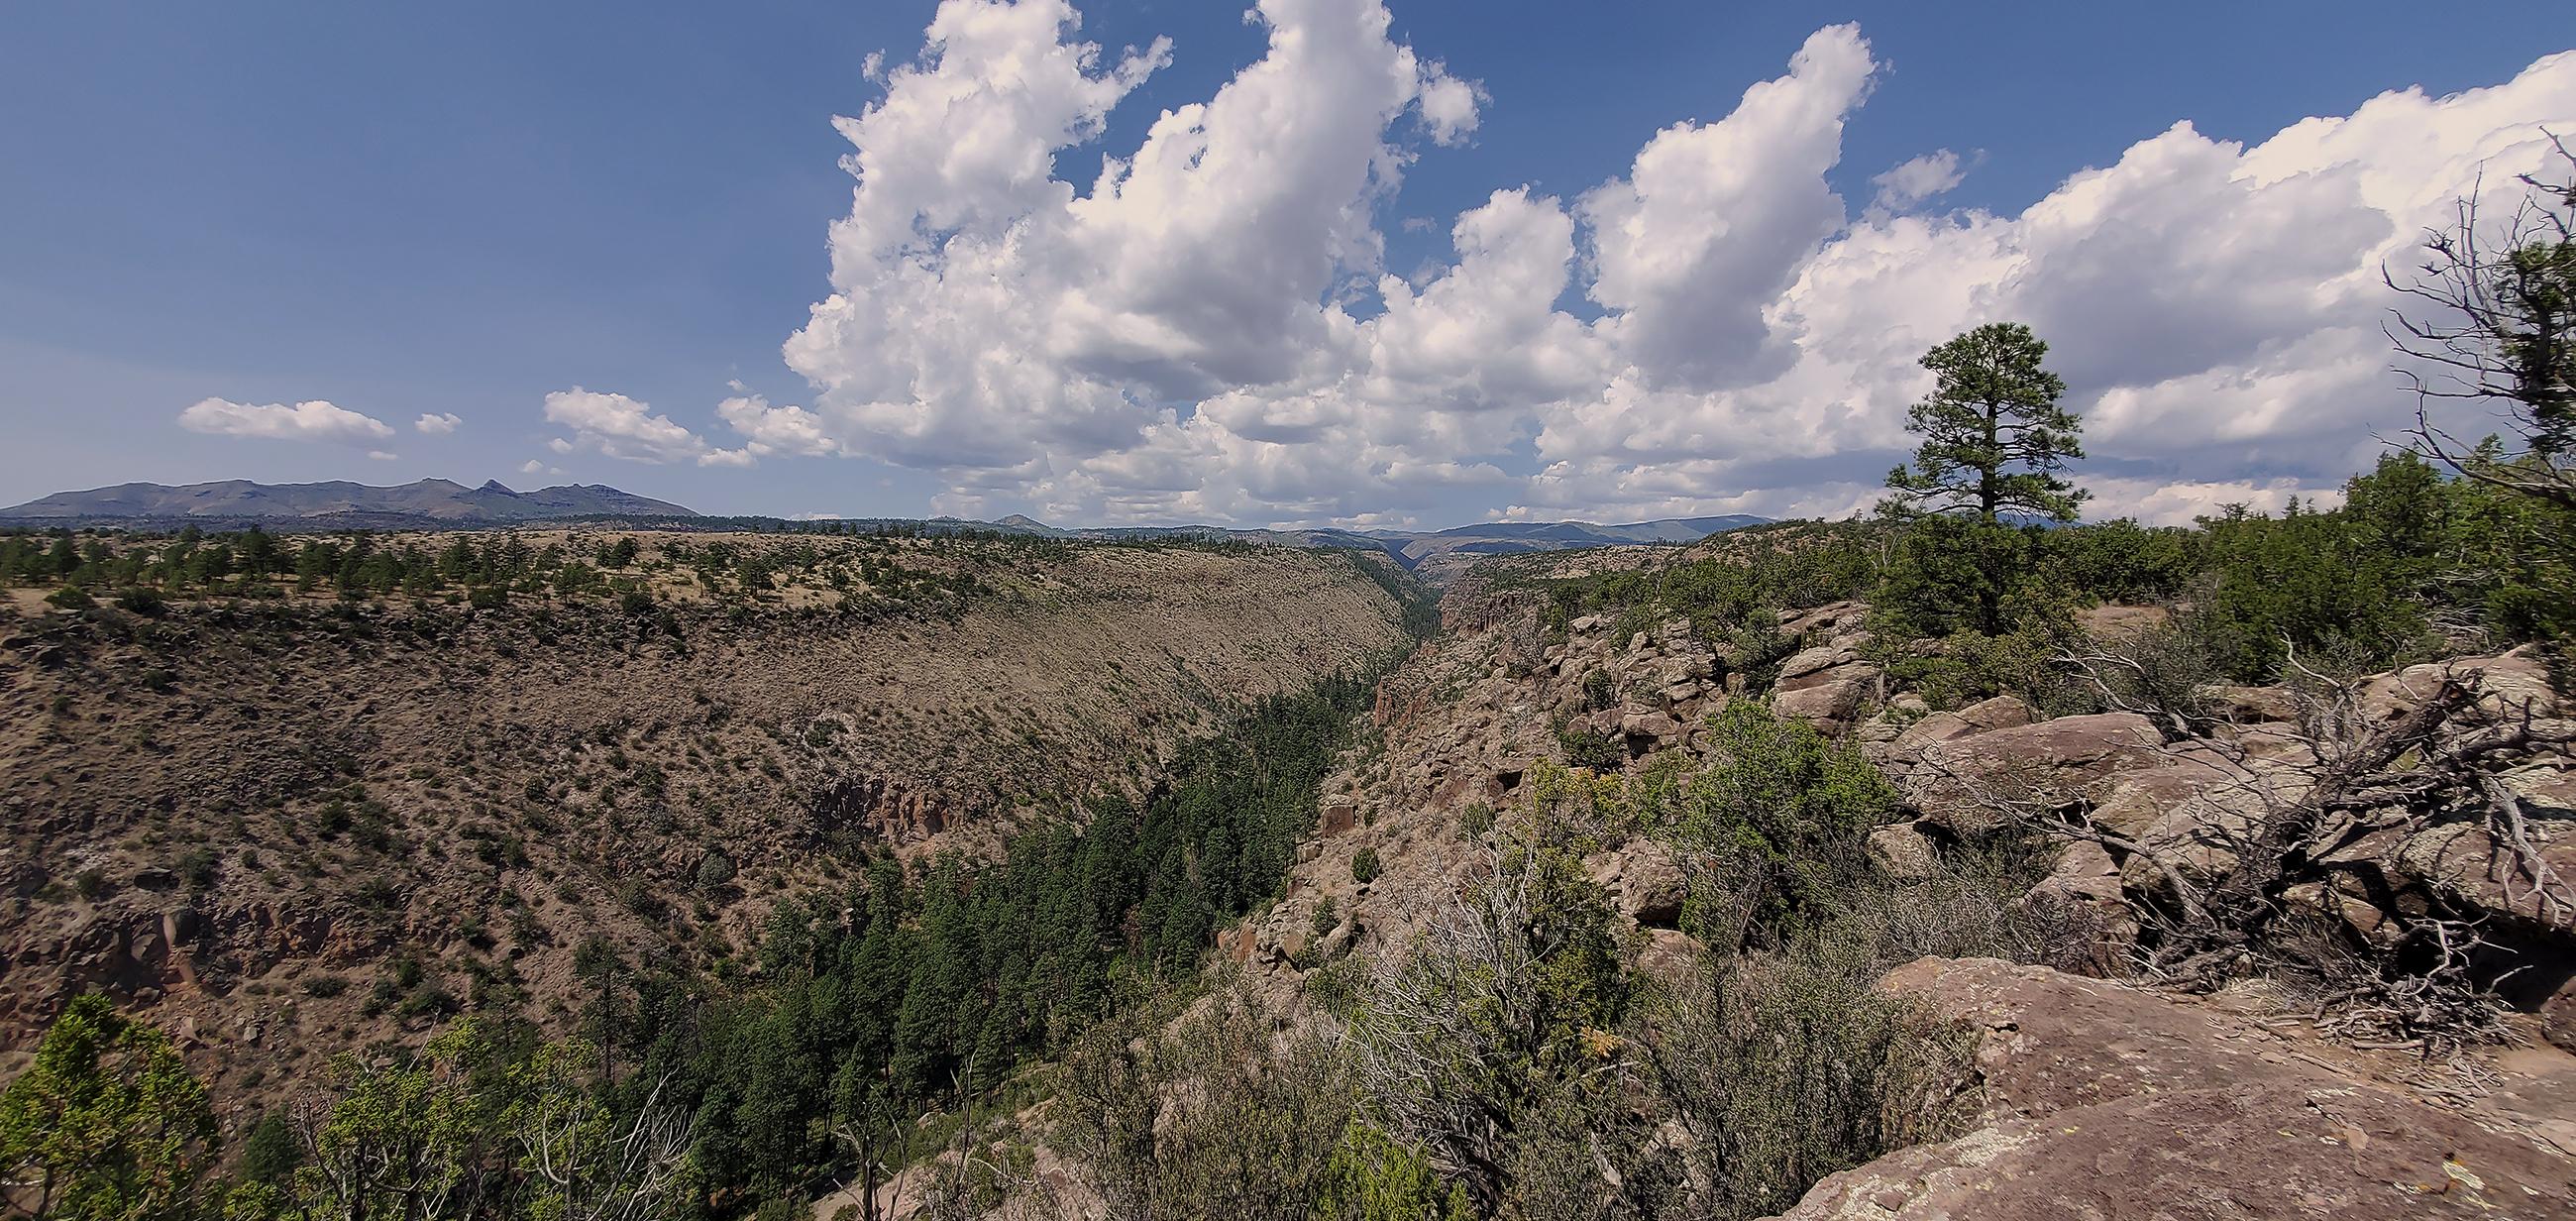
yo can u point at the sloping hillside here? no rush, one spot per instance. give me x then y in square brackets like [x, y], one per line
[286, 825]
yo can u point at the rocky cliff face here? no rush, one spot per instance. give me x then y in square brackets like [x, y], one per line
[2095, 1098]
[284, 831]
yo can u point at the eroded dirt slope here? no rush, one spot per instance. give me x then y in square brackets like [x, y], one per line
[284, 829]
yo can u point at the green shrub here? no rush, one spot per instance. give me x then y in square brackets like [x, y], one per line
[1600, 691]
[1327, 917]
[197, 868]
[429, 999]
[270, 1152]
[1371, 1177]
[637, 895]
[1206, 1116]
[1364, 865]
[1588, 747]
[1779, 815]
[1785, 1070]
[1953, 575]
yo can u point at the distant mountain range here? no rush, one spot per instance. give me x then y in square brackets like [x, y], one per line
[429, 501]
[434, 503]
[1414, 548]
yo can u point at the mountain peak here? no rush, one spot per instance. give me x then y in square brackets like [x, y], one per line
[423, 501]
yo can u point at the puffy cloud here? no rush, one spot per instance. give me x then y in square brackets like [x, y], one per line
[986, 316]
[777, 430]
[1449, 105]
[437, 423]
[379, 455]
[624, 428]
[314, 420]
[2215, 308]
[966, 138]
[1712, 222]
[1202, 328]
[1921, 178]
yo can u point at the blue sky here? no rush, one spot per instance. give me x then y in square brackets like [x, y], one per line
[463, 208]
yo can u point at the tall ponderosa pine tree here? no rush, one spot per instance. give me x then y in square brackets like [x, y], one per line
[1994, 438]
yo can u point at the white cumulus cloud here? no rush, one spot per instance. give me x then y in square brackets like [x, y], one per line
[437, 423]
[769, 430]
[1200, 325]
[1918, 179]
[314, 420]
[987, 314]
[624, 428]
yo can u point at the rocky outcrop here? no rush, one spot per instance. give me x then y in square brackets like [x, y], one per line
[2511, 683]
[1830, 684]
[2104, 1101]
[1984, 716]
[1951, 781]
[1644, 883]
[2496, 848]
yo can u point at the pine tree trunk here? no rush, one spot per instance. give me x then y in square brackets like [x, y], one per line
[1989, 492]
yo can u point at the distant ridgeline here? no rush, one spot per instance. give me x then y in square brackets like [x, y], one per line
[428, 503]
[443, 504]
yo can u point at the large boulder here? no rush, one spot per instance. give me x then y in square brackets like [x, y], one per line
[2511, 683]
[1830, 618]
[2251, 705]
[1830, 686]
[2455, 861]
[2084, 873]
[1984, 716]
[2463, 861]
[2557, 1010]
[1646, 728]
[1833, 701]
[1644, 883]
[1901, 850]
[1893, 718]
[2133, 802]
[2104, 1101]
[1337, 815]
[1808, 667]
[1953, 780]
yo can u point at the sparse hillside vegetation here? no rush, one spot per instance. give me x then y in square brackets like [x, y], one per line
[305, 823]
[862, 573]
